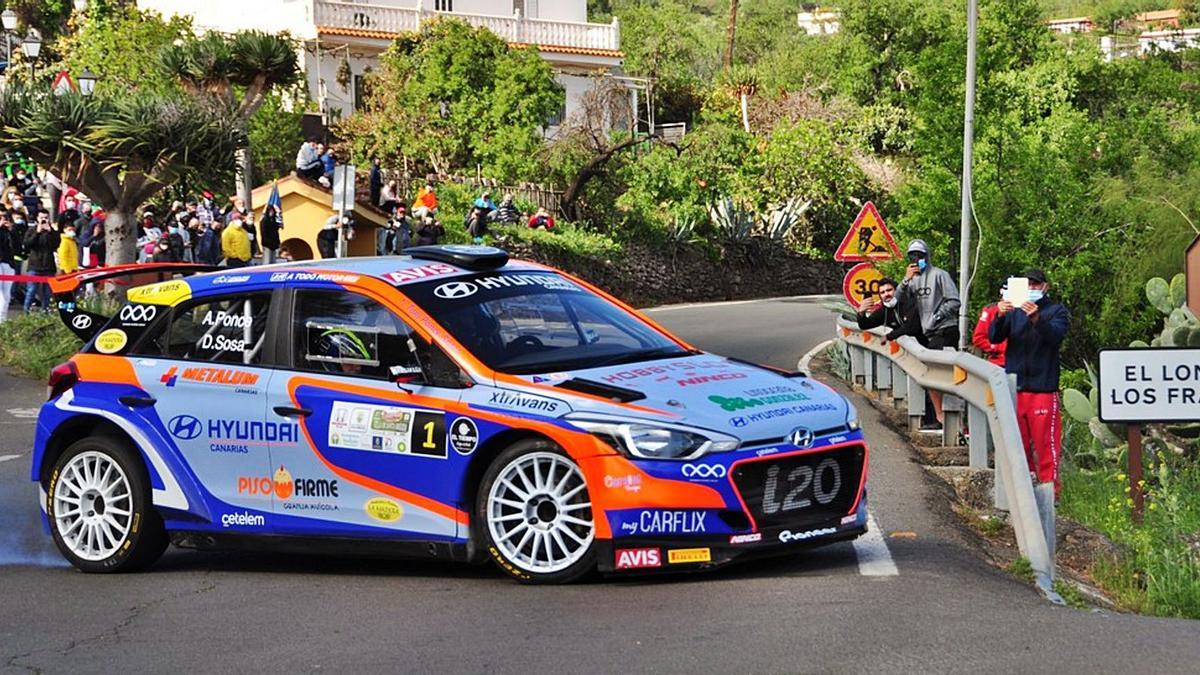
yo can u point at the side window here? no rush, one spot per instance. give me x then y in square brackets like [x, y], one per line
[226, 329]
[344, 333]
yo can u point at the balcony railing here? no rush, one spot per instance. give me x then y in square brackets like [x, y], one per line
[516, 29]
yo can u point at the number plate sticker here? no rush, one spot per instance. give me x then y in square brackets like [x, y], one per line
[389, 429]
[800, 488]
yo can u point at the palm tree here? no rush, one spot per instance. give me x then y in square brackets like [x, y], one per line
[120, 151]
[216, 68]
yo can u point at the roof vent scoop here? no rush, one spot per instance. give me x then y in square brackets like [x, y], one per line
[475, 258]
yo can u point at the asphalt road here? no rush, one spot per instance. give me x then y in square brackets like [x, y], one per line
[945, 610]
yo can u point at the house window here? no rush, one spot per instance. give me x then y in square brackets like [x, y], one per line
[559, 117]
[443, 5]
[360, 93]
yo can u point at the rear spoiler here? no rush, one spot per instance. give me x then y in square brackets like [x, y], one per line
[85, 324]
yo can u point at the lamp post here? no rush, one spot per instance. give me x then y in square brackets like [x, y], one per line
[8, 19]
[87, 82]
[32, 46]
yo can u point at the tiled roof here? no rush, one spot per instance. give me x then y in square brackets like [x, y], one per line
[388, 35]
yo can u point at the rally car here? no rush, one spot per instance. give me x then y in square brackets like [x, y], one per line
[449, 403]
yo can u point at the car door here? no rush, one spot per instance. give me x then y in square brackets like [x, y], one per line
[207, 372]
[371, 400]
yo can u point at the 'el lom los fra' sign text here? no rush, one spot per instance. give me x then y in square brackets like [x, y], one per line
[1149, 385]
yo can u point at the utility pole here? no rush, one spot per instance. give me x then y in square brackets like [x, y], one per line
[964, 250]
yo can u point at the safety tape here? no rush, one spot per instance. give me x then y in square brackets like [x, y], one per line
[25, 277]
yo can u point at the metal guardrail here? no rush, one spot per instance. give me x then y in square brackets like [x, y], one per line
[902, 369]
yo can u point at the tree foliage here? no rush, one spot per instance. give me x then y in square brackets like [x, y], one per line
[453, 96]
[122, 46]
[119, 150]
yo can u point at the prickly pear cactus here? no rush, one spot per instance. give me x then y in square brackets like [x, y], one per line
[1078, 406]
[1103, 434]
[1178, 290]
[1139, 344]
[1158, 292]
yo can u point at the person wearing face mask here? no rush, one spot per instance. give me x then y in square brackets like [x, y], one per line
[7, 253]
[69, 214]
[1035, 331]
[176, 239]
[932, 291]
[208, 249]
[163, 252]
[885, 310]
[41, 243]
[68, 251]
[992, 351]
[327, 239]
[235, 245]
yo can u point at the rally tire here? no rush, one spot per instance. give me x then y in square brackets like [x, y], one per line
[99, 508]
[554, 541]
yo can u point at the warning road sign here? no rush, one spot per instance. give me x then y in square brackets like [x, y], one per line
[868, 239]
[861, 282]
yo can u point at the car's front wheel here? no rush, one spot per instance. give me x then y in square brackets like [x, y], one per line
[534, 510]
[99, 507]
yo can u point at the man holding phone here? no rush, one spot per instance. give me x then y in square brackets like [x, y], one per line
[41, 243]
[885, 310]
[932, 290]
[1035, 330]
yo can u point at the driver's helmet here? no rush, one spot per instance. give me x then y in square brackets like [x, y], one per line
[342, 344]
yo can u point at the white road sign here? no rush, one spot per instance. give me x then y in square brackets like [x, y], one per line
[1149, 385]
[343, 187]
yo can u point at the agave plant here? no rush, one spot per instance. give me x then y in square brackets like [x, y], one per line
[779, 220]
[734, 223]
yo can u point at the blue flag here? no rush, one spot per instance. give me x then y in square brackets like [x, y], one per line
[275, 201]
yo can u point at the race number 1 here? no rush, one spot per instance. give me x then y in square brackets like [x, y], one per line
[429, 434]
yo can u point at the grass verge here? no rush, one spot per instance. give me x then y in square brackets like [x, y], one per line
[34, 343]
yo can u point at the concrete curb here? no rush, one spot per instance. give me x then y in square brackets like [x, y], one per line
[802, 364]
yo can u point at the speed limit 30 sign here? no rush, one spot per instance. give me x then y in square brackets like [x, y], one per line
[861, 282]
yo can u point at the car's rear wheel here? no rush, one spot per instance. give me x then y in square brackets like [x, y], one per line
[534, 510]
[99, 507]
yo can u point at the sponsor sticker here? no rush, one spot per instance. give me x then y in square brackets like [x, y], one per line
[735, 403]
[419, 273]
[165, 293]
[384, 510]
[81, 321]
[846, 520]
[703, 472]
[689, 555]
[630, 483]
[295, 493]
[662, 521]
[205, 375]
[521, 401]
[243, 519]
[390, 429]
[335, 277]
[233, 436]
[740, 421]
[111, 341]
[745, 538]
[638, 558]
[707, 379]
[464, 436]
[231, 279]
[787, 535]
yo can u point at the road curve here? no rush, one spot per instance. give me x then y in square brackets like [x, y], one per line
[945, 610]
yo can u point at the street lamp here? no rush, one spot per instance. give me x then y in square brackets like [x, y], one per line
[87, 82]
[32, 46]
[8, 20]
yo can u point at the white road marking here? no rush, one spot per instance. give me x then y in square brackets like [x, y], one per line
[730, 303]
[23, 413]
[874, 558]
[5, 458]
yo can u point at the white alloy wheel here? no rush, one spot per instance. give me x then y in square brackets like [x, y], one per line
[93, 506]
[539, 514]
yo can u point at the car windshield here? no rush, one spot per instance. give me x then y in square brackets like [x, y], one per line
[538, 322]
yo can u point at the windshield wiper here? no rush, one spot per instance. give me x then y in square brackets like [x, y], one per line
[645, 355]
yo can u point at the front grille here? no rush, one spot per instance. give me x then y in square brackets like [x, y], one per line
[801, 489]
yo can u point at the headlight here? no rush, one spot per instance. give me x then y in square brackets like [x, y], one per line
[851, 417]
[657, 441]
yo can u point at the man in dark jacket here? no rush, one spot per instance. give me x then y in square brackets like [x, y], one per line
[208, 249]
[887, 311]
[40, 243]
[1035, 331]
[7, 253]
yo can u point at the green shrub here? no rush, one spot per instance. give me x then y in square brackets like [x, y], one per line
[34, 343]
[569, 238]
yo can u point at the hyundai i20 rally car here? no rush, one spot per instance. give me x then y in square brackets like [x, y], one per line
[448, 404]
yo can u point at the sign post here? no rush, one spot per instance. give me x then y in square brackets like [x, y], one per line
[867, 240]
[1144, 386]
[343, 201]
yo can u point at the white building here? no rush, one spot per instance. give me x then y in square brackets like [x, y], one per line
[342, 40]
[1168, 40]
[817, 20]
[1075, 24]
